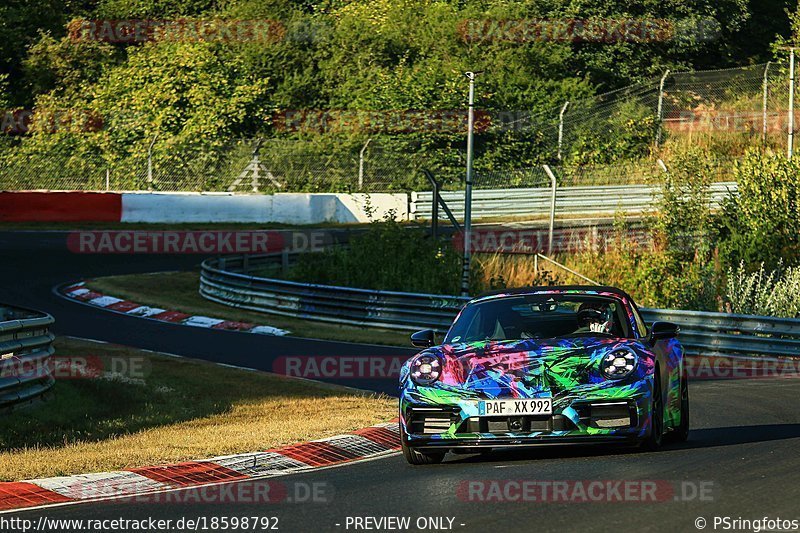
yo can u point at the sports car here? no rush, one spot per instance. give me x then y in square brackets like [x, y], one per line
[543, 365]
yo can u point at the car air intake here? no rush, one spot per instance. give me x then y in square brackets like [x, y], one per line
[430, 421]
[612, 415]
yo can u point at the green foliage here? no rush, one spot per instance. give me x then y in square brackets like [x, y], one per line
[683, 221]
[386, 257]
[384, 55]
[773, 293]
[761, 223]
[654, 278]
[626, 134]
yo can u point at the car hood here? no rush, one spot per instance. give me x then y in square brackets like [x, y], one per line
[521, 368]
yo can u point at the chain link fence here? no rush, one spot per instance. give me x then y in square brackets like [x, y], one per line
[608, 139]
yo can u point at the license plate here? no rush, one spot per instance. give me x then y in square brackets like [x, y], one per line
[536, 406]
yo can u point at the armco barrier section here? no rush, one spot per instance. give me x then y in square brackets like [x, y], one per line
[605, 200]
[26, 346]
[226, 281]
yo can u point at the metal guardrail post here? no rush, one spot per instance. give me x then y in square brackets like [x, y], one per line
[285, 261]
[553, 189]
[437, 200]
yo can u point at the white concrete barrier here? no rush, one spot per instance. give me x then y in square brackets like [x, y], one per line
[285, 208]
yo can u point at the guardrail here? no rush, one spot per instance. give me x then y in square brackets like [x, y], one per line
[602, 200]
[26, 346]
[225, 281]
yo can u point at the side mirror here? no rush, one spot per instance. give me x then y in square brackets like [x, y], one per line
[423, 339]
[662, 330]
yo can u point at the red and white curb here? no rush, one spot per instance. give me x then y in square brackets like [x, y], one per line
[79, 291]
[367, 443]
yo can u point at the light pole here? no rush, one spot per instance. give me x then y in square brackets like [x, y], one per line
[468, 187]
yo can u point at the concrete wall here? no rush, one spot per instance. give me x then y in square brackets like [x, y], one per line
[286, 208]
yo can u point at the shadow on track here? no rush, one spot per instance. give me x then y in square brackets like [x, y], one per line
[698, 438]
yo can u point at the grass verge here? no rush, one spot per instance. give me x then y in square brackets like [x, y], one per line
[179, 291]
[181, 410]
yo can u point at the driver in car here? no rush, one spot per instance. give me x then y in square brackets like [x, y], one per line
[595, 317]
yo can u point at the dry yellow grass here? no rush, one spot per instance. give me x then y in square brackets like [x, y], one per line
[519, 271]
[185, 410]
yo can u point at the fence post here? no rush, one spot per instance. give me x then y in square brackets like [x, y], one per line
[561, 128]
[435, 210]
[285, 261]
[661, 107]
[361, 164]
[790, 147]
[553, 188]
[150, 163]
[437, 199]
[108, 179]
[764, 107]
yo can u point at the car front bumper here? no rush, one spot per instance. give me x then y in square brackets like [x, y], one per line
[617, 413]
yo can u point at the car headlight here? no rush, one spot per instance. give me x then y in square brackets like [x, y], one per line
[618, 364]
[425, 369]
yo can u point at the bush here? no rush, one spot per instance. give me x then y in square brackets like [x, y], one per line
[683, 224]
[760, 224]
[773, 293]
[386, 257]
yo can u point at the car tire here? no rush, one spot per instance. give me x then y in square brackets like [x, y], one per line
[655, 439]
[681, 433]
[415, 457]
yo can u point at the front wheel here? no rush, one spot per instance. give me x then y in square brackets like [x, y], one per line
[654, 440]
[681, 433]
[416, 457]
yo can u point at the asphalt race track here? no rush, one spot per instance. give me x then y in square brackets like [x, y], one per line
[741, 460]
[32, 263]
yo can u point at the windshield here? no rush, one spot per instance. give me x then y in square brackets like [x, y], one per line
[540, 317]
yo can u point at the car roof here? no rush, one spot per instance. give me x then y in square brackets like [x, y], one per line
[556, 289]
